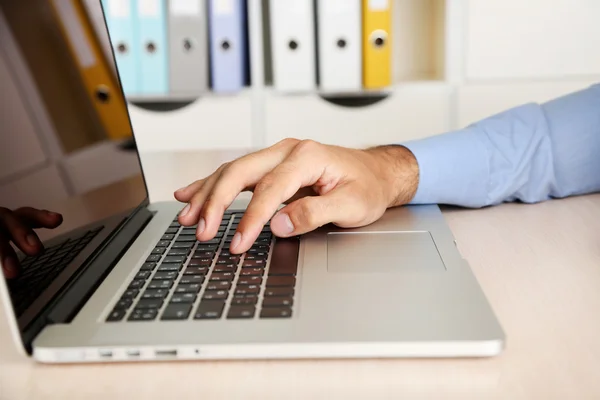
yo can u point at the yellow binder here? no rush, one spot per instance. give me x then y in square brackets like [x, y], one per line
[101, 83]
[377, 43]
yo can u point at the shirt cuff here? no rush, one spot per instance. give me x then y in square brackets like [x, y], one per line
[453, 169]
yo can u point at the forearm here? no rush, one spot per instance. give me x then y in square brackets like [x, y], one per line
[529, 153]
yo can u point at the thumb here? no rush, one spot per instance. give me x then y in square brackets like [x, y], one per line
[311, 212]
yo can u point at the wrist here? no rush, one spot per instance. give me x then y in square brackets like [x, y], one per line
[399, 172]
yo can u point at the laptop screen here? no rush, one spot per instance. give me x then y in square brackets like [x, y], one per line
[68, 158]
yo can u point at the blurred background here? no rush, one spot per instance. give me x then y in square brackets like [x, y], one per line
[226, 74]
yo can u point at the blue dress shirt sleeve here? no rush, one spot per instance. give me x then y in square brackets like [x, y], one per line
[529, 153]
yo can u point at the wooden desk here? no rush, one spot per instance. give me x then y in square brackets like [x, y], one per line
[538, 264]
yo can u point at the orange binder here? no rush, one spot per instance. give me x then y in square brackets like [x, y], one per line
[377, 43]
[94, 68]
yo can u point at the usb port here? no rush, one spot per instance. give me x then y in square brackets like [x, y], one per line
[133, 353]
[166, 353]
[106, 353]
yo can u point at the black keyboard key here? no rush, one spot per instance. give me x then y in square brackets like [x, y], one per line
[200, 261]
[256, 256]
[188, 230]
[170, 267]
[218, 285]
[143, 315]
[155, 294]
[215, 295]
[207, 247]
[254, 263]
[209, 310]
[264, 235]
[186, 238]
[149, 266]
[241, 311]
[259, 247]
[281, 281]
[153, 258]
[244, 300]
[130, 294]
[159, 250]
[186, 279]
[225, 268]
[160, 284]
[136, 284]
[247, 289]
[169, 275]
[285, 257]
[252, 272]
[227, 263]
[176, 312]
[163, 243]
[178, 252]
[222, 276]
[149, 304]
[183, 298]
[249, 280]
[203, 254]
[211, 241]
[116, 315]
[182, 245]
[195, 270]
[174, 259]
[276, 312]
[188, 288]
[278, 302]
[171, 231]
[279, 291]
[123, 304]
[168, 237]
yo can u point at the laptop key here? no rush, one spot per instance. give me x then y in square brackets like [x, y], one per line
[153, 258]
[174, 259]
[249, 280]
[241, 311]
[155, 294]
[168, 237]
[200, 261]
[215, 295]
[276, 312]
[209, 310]
[225, 268]
[203, 254]
[159, 250]
[183, 298]
[254, 263]
[149, 304]
[218, 285]
[182, 245]
[171, 230]
[143, 315]
[130, 294]
[176, 312]
[170, 275]
[195, 270]
[252, 272]
[207, 247]
[248, 289]
[123, 304]
[279, 291]
[170, 267]
[211, 241]
[186, 279]
[188, 288]
[149, 266]
[143, 275]
[186, 238]
[277, 302]
[244, 300]
[136, 284]
[160, 284]
[284, 281]
[222, 276]
[179, 252]
[116, 315]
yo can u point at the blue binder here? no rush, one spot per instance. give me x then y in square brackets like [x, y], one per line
[120, 17]
[228, 45]
[151, 47]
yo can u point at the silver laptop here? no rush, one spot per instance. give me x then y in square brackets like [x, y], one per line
[137, 286]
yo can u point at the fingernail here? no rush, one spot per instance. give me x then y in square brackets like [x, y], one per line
[282, 223]
[185, 210]
[201, 225]
[32, 240]
[9, 264]
[235, 242]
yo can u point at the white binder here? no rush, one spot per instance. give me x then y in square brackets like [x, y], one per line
[340, 45]
[293, 45]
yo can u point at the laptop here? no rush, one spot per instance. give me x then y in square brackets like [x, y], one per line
[135, 285]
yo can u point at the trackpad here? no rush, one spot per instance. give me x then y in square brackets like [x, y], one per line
[367, 252]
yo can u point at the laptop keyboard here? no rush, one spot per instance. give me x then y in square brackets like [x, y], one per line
[40, 270]
[186, 279]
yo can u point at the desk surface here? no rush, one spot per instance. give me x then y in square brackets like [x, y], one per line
[538, 264]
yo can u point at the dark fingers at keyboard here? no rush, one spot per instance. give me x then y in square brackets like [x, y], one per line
[8, 258]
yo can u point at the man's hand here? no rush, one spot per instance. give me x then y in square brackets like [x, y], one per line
[321, 184]
[17, 226]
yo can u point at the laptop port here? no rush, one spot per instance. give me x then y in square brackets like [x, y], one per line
[133, 353]
[106, 353]
[166, 353]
